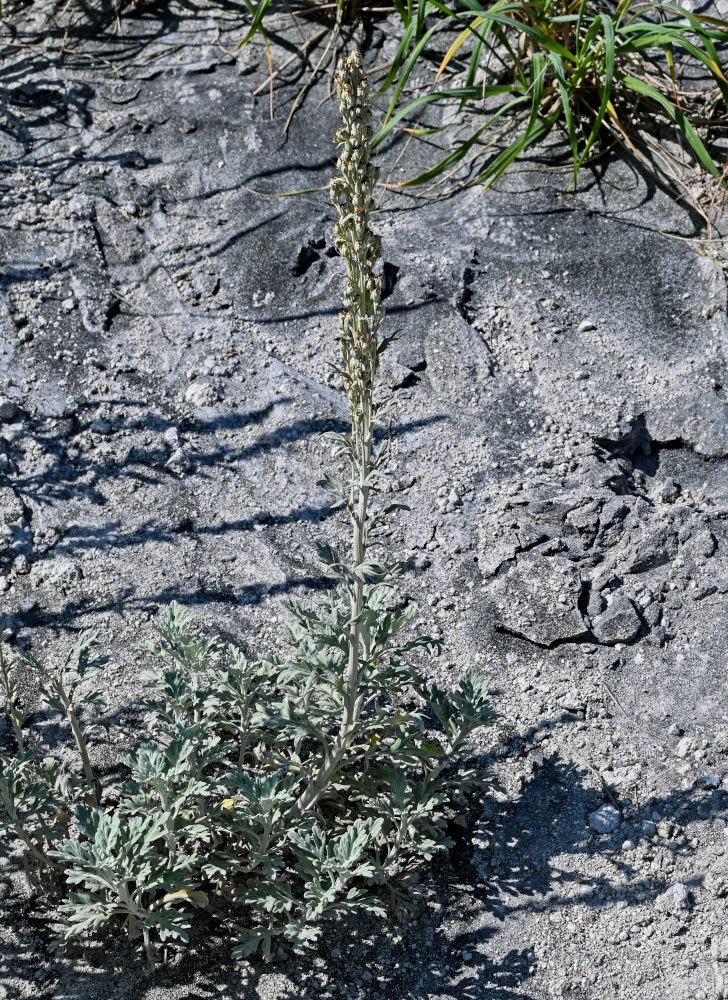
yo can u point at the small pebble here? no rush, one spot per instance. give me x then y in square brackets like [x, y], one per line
[669, 491]
[684, 747]
[179, 462]
[8, 409]
[709, 780]
[171, 437]
[674, 900]
[21, 565]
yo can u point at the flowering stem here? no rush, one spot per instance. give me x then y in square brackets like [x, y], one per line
[352, 194]
[360, 249]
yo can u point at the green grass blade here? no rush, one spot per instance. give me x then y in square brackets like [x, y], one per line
[474, 63]
[580, 17]
[538, 80]
[516, 68]
[408, 67]
[535, 128]
[537, 131]
[400, 55]
[501, 13]
[678, 116]
[558, 66]
[588, 40]
[720, 35]
[457, 154]
[448, 161]
[643, 36]
[404, 11]
[547, 43]
[257, 13]
[719, 24]
[423, 9]
[453, 93]
[606, 83]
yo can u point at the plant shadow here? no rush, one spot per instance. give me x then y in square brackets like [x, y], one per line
[88, 475]
[539, 861]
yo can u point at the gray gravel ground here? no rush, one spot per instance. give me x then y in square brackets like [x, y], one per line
[562, 433]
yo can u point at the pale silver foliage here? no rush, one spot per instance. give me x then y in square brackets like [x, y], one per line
[272, 794]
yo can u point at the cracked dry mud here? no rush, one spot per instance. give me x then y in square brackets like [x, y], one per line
[561, 438]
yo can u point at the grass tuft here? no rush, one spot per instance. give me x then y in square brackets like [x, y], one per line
[606, 75]
[643, 75]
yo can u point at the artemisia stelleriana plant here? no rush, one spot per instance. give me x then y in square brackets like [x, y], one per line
[271, 793]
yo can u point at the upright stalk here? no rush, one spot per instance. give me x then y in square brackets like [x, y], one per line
[67, 706]
[352, 194]
[12, 709]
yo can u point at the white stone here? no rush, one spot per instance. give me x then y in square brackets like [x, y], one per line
[676, 899]
[684, 747]
[605, 819]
